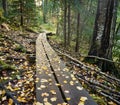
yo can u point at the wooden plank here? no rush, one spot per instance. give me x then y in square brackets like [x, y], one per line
[46, 89]
[70, 85]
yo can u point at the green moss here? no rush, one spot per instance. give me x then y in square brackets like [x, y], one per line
[99, 100]
[49, 27]
[20, 48]
[6, 66]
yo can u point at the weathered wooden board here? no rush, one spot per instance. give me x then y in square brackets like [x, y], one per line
[46, 89]
[55, 84]
[71, 87]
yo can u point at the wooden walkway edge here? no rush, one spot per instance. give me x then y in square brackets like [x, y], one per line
[54, 84]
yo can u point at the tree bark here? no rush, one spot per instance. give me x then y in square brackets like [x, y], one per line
[44, 5]
[4, 5]
[65, 20]
[77, 33]
[69, 24]
[102, 41]
[21, 13]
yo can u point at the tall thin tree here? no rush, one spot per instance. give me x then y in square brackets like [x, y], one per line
[65, 20]
[77, 32]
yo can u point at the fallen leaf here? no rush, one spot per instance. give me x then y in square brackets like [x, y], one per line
[81, 103]
[45, 99]
[111, 103]
[71, 83]
[38, 103]
[44, 67]
[10, 102]
[65, 69]
[68, 99]
[44, 94]
[4, 98]
[47, 103]
[66, 91]
[79, 88]
[53, 92]
[10, 88]
[43, 86]
[57, 84]
[65, 81]
[83, 99]
[20, 99]
[53, 99]
[73, 78]
[44, 80]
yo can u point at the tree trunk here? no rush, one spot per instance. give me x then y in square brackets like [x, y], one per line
[69, 24]
[78, 29]
[64, 30]
[44, 6]
[21, 13]
[4, 5]
[117, 29]
[102, 41]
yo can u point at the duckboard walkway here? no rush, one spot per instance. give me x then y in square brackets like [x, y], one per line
[54, 84]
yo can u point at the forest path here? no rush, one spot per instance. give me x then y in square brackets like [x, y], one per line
[54, 84]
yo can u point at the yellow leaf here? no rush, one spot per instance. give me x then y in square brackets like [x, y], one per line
[10, 88]
[53, 99]
[15, 89]
[39, 88]
[44, 67]
[65, 81]
[66, 91]
[2, 92]
[37, 80]
[64, 103]
[65, 69]
[81, 103]
[71, 83]
[45, 99]
[38, 103]
[10, 102]
[57, 84]
[53, 92]
[83, 99]
[79, 88]
[44, 94]
[20, 99]
[4, 98]
[47, 103]
[42, 86]
[73, 78]
[44, 80]
[68, 99]
[111, 103]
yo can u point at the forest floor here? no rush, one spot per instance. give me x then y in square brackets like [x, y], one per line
[103, 87]
[17, 64]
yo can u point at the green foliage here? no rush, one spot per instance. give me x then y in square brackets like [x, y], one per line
[56, 39]
[49, 27]
[29, 12]
[2, 18]
[99, 100]
[20, 48]
[6, 66]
